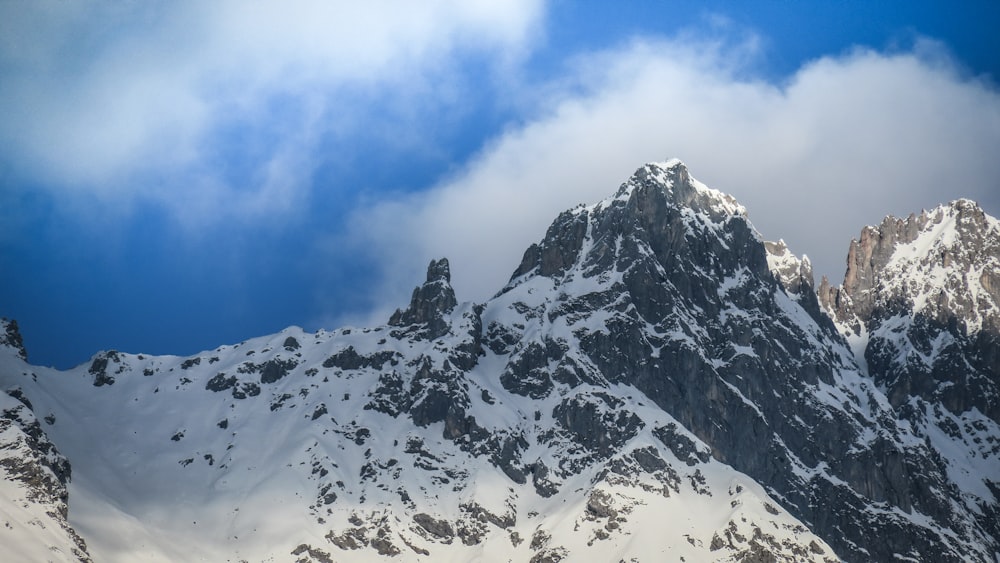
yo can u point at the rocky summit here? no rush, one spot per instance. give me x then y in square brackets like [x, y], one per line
[655, 382]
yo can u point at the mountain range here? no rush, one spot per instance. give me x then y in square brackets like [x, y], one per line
[655, 382]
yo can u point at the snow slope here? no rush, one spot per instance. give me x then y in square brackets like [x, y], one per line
[166, 469]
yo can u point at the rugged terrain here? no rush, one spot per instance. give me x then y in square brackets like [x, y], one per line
[655, 382]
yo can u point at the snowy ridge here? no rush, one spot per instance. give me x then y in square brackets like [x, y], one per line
[952, 262]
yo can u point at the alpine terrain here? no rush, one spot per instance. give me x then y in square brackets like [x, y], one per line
[655, 382]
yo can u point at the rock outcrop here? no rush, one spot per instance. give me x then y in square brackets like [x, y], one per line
[33, 480]
[431, 303]
[10, 337]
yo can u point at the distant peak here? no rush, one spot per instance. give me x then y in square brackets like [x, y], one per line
[960, 208]
[940, 263]
[964, 204]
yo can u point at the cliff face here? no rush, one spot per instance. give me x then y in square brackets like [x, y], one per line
[920, 304]
[33, 477]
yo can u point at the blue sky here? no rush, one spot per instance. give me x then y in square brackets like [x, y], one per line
[179, 175]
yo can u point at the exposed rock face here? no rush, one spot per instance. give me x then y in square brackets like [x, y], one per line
[431, 302]
[33, 477]
[921, 303]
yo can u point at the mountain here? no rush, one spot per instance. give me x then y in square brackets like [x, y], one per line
[655, 382]
[920, 304]
[922, 298]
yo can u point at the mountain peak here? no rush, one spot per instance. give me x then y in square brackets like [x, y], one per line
[439, 271]
[944, 263]
[661, 207]
[965, 206]
[430, 303]
[10, 338]
[674, 179]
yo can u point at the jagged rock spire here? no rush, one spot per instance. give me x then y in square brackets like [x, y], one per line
[956, 237]
[431, 302]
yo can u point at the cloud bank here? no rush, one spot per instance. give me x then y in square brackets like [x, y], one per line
[222, 111]
[120, 100]
[843, 142]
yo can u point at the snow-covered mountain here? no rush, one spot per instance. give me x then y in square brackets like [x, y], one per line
[920, 304]
[655, 382]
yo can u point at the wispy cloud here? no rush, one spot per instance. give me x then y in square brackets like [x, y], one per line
[123, 100]
[222, 110]
[844, 141]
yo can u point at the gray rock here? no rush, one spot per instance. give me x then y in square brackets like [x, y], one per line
[29, 458]
[430, 304]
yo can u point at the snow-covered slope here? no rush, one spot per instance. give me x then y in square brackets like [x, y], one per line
[644, 388]
[291, 445]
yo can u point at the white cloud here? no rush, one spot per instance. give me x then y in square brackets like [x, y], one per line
[845, 141]
[101, 98]
[117, 100]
